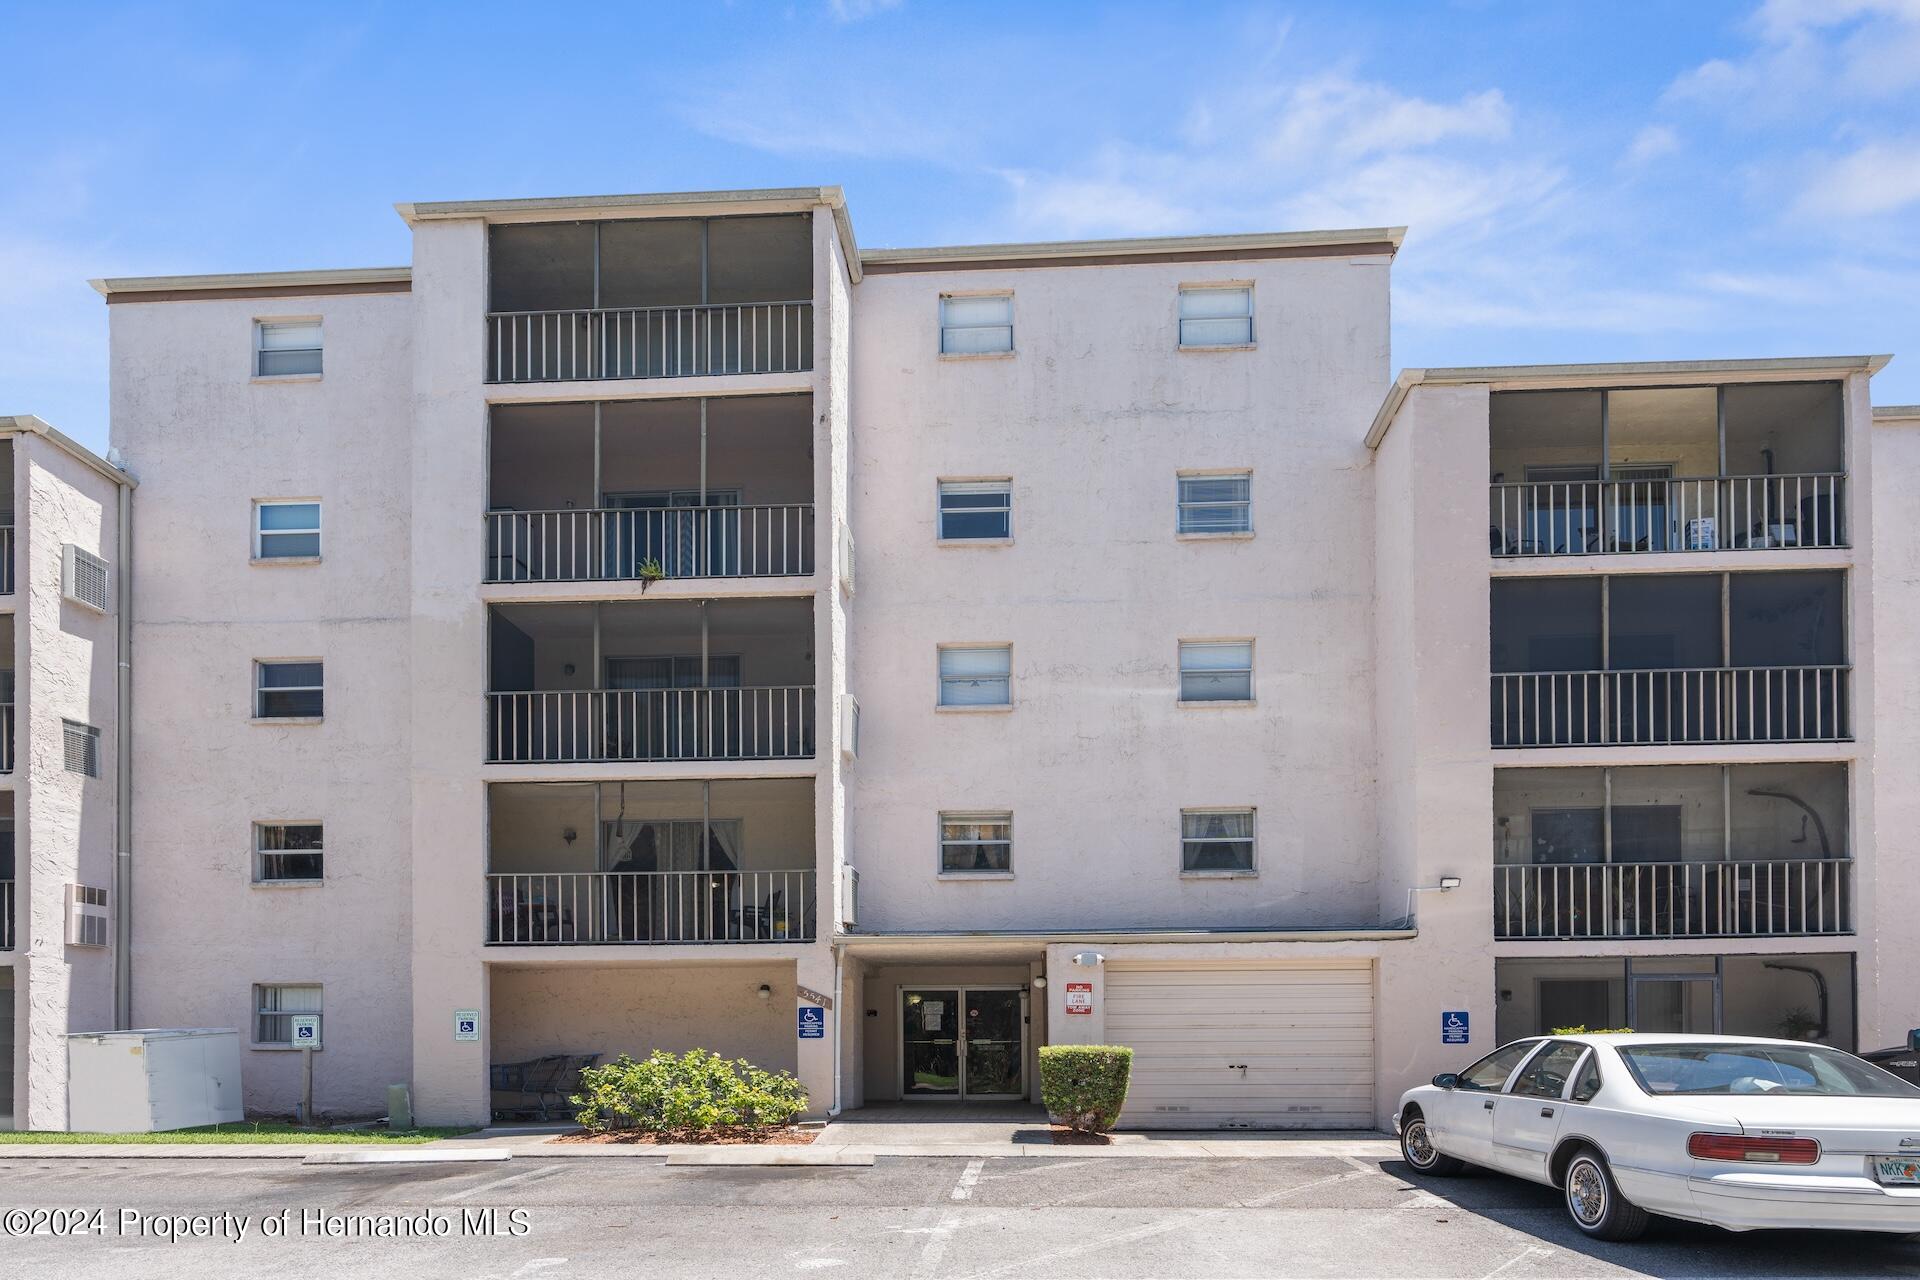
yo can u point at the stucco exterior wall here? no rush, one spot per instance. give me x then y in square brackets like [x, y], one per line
[1093, 418]
[212, 440]
[64, 656]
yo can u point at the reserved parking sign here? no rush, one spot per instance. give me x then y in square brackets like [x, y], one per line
[1453, 1027]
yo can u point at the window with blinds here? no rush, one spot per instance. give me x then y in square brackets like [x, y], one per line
[286, 852]
[1216, 671]
[1216, 316]
[976, 842]
[1216, 504]
[289, 690]
[976, 676]
[976, 325]
[971, 510]
[274, 1007]
[1216, 840]
[285, 347]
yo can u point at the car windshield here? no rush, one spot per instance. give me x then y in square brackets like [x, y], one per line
[1759, 1068]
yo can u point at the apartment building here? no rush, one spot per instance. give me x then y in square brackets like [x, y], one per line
[653, 621]
[61, 747]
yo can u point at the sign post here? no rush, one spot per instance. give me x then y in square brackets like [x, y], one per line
[306, 1038]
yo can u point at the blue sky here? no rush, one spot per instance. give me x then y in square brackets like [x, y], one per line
[1582, 181]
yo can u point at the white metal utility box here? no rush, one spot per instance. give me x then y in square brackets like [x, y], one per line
[152, 1080]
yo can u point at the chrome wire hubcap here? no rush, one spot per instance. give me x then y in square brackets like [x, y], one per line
[1419, 1145]
[1586, 1192]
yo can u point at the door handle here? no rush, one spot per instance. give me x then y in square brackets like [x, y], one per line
[1487, 1105]
[1546, 1113]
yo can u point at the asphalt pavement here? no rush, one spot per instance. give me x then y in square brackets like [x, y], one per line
[987, 1217]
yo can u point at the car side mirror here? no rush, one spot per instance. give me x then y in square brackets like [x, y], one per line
[1446, 1080]
[1913, 1040]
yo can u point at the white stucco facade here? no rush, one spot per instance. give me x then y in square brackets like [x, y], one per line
[555, 822]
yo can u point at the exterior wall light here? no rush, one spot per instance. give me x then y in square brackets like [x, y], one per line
[766, 992]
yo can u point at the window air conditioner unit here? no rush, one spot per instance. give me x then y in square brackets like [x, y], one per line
[849, 726]
[83, 578]
[849, 896]
[846, 557]
[87, 921]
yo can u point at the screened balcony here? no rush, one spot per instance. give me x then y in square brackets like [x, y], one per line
[1742, 467]
[1695, 851]
[6, 518]
[9, 902]
[661, 681]
[650, 298]
[650, 863]
[633, 490]
[1658, 659]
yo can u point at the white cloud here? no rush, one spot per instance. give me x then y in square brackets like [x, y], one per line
[857, 10]
[1810, 55]
[1878, 178]
[1650, 144]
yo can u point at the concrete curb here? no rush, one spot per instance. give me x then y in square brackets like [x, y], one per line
[419, 1155]
[767, 1158]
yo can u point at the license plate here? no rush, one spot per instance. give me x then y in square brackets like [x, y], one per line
[1897, 1171]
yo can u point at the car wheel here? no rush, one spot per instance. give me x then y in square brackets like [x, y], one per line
[1595, 1203]
[1417, 1149]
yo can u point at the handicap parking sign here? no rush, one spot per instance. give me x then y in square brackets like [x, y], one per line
[1453, 1027]
[305, 1030]
[813, 1022]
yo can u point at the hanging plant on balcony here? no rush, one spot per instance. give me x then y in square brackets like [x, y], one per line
[649, 572]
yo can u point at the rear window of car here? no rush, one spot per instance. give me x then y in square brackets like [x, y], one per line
[1695, 1069]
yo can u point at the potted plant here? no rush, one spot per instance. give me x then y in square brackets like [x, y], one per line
[649, 572]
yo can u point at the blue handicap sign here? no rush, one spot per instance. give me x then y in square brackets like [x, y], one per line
[813, 1022]
[1453, 1027]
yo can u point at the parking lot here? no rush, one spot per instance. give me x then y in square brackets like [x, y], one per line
[1007, 1218]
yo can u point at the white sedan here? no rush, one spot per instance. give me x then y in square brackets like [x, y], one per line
[1739, 1133]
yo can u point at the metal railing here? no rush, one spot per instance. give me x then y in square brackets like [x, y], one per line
[6, 915]
[560, 726]
[616, 544]
[649, 907]
[6, 559]
[1784, 897]
[1678, 705]
[650, 342]
[1736, 513]
[6, 737]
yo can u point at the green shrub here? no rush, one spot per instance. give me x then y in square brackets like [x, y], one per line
[1084, 1085]
[694, 1092]
[1592, 1031]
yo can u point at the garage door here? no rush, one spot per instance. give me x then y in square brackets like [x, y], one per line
[1270, 1048]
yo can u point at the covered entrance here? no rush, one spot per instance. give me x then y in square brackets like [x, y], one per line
[963, 1043]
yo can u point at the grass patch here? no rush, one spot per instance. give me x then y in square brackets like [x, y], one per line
[249, 1131]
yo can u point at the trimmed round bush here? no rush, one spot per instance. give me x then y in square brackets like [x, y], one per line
[696, 1092]
[1084, 1085]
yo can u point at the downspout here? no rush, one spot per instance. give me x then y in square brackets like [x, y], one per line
[123, 770]
[839, 1016]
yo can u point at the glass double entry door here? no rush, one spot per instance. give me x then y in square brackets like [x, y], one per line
[962, 1042]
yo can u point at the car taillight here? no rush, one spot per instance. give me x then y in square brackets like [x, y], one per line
[1734, 1146]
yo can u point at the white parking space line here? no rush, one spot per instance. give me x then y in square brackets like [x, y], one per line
[513, 1179]
[1254, 1202]
[963, 1190]
[1531, 1251]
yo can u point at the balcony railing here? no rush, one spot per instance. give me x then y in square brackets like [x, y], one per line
[1681, 705]
[650, 342]
[585, 725]
[6, 915]
[6, 559]
[6, 737]
[617, 545]
[650, 907]
[1780, 898]
[1588, 517]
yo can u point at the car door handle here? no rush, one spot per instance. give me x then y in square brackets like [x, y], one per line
[1487, 1105]
[1546, 1113]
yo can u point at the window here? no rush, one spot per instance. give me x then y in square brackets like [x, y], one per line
[286, 530]
[283, 347]
[1216, 504]
[978, 676]
[288, 690]
[273, 1009]
[1546, 1076]
[976, 326]
[80, 748]
[1216, 316]
[1587, 1087]
[1489, 1075]
[286, 851]
[1706, 1069]
[976, 842]
[1216, 671]
[1216, 840]
[974, 509]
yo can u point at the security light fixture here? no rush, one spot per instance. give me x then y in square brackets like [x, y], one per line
[1090, 959]
[766, 992]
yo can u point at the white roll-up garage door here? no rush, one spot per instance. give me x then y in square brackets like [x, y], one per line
[1279, 1047]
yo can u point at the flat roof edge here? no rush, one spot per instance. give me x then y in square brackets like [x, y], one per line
[123, 286]
[1094, 249]
[429, 210]
[32, 423]
[1896, 412]
[1358, 933]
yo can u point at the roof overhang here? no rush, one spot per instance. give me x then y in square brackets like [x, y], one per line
[1644, 373]
[1008, 945]
[254, 284]
[676, 204]
[1365, 241]
[14, 424]
[1896, 413]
